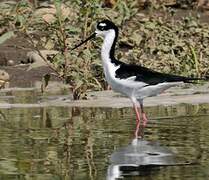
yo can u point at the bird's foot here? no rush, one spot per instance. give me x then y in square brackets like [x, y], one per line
[138, 137]
[139, 133]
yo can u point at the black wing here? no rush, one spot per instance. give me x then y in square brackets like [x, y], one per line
[149, 76]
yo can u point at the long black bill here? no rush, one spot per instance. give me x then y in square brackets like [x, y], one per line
[90, 37]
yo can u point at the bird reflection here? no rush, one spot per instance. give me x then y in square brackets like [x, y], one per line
[140, 158]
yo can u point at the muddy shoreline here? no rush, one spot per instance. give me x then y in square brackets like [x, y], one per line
[178, 95]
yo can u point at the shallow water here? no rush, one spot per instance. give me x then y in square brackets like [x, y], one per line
[54, 143]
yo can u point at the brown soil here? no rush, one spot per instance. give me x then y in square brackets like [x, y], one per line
[12, 53]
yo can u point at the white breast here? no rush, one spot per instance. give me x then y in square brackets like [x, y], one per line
[125, 86]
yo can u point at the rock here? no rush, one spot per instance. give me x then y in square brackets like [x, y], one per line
[10, 62]
[4, 75]
[4, 79]
[36, 60]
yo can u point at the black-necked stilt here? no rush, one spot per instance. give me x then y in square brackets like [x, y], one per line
[134, 81]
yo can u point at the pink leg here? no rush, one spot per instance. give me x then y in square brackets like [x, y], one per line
[109, 87]
[137, 121]
[144, 116]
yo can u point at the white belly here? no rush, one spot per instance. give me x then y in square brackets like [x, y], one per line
[124, 86]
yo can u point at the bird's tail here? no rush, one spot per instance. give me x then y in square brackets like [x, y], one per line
[191, 79]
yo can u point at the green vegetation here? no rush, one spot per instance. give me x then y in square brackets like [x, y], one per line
[153, 38]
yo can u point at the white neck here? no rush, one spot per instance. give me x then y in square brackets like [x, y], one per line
[106, 47]
[108, 66]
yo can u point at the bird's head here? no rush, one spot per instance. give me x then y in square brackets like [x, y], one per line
[103, 28]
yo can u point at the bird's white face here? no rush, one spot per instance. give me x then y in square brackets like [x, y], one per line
[102, 33]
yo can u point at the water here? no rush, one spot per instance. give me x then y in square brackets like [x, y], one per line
[77, 143]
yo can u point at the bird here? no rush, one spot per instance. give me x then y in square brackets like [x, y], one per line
[134, 81]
